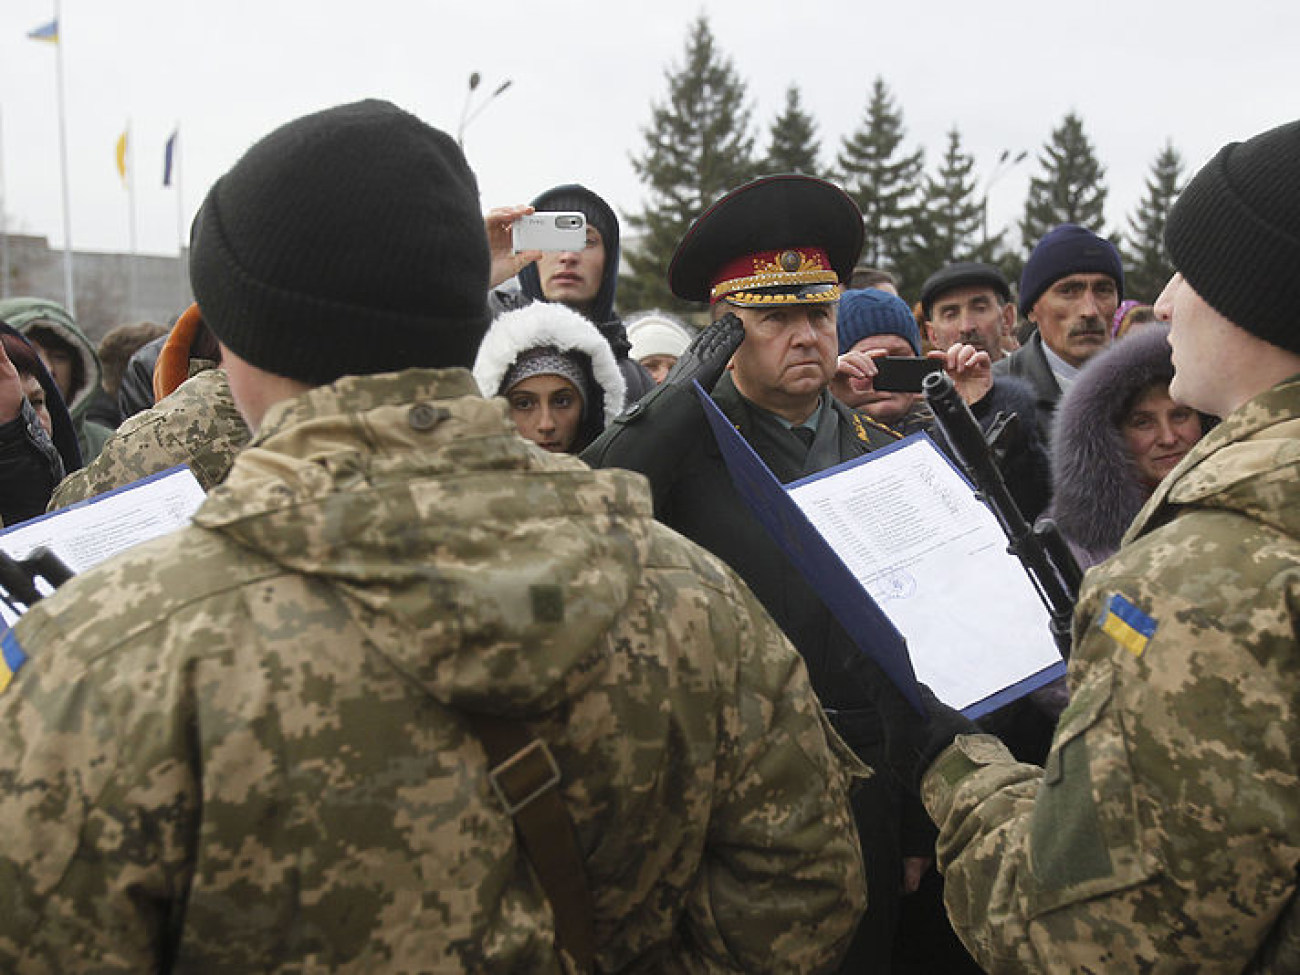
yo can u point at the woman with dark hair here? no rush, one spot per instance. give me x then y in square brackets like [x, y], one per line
[38, 443]
[1117, 435]
[556, 371]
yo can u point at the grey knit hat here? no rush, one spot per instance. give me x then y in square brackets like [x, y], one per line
[1234, 233]
[346, 242]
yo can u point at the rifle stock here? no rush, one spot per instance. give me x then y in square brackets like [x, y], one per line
[18, 577]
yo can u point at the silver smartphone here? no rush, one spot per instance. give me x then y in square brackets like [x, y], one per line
[550, 230]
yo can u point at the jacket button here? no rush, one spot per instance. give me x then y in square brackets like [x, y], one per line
[423, 416]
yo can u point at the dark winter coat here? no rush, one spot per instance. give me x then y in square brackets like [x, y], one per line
[666, 437]
[1029, 362]
[1098, 491]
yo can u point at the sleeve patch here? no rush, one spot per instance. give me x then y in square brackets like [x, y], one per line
[11, 658]
[1127, 625]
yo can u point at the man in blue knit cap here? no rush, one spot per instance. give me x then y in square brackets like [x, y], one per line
[1069, 290]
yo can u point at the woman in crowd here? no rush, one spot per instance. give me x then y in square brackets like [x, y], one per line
[556, 371]
[38, 444]
[1117, 435]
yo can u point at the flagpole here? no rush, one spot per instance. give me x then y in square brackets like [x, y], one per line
[130, 204]
[181, 236]
[4, 221]
[68, 296]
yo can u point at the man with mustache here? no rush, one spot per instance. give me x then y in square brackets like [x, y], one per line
[1069, 290]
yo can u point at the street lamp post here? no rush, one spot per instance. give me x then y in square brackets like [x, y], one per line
[1006, 162]
[466, 116]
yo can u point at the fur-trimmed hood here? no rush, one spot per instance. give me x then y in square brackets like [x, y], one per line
[1097, 489]
[542, 323]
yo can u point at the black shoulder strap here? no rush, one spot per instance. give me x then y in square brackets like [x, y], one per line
[525, 777]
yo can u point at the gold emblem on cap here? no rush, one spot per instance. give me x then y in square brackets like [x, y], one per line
[789, 267]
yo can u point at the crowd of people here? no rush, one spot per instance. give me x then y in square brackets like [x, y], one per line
[474, 658]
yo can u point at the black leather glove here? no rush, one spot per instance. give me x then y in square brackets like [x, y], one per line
[708, 354]
[944, 724]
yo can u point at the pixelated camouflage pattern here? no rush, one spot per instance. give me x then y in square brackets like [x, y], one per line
[196, 425]
[1164, 833]
[238, 748]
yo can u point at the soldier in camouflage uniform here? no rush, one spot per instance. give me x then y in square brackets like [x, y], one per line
[1163, 835]
[197, 425]
[244, 748]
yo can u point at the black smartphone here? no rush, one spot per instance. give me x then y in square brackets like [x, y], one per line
[903, 374]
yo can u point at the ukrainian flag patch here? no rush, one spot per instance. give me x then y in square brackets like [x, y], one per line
[1127, 625]
[11, 658]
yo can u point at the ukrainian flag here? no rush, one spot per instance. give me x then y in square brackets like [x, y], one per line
[46, 32]
[11, 658]
[1131, 628]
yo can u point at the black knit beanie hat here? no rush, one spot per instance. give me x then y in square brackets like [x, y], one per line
[573, 196]
[346, 242]
[1234, 233]
[1065, 250]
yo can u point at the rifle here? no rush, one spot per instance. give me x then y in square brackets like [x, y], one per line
[18, 577]
[1040, 548]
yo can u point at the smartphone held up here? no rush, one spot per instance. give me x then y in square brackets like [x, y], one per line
[903, 374]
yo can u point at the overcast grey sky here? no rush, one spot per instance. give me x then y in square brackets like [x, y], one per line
[585, 74]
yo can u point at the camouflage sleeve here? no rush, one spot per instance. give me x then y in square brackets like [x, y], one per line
[1163, 833]
[197, 425]
[782, 873]
[85, 881]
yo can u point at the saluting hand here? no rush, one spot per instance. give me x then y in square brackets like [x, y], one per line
[708, 354]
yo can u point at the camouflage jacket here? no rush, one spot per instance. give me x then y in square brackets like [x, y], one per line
[1163, 835]
[196, 425]
[240, 747]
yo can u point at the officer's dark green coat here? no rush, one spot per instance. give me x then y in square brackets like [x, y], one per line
[240, 748]
[1164, 833]
[667, 438]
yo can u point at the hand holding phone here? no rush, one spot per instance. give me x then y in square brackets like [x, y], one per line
[550, 230]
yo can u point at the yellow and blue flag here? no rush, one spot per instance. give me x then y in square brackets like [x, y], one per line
[11, 658]
[121, 156]
[46, 32]
[1131, 628]
[169, 157]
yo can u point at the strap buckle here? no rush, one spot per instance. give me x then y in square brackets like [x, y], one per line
[531, 772]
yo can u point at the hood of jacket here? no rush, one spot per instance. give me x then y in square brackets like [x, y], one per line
[26, 314]
[64, 434]
[601, 216]
[1097, 490]
[542, 323]
[1249, 463]
[482, 568]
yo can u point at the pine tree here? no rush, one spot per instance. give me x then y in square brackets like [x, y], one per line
[793, 146]
[1151, 269]
[882, 177]
[1071, 189]
[698, 145]
[949, 224]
